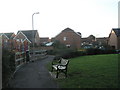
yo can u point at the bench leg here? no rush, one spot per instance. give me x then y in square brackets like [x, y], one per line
[65, 74]
[52, 69]
[57, 74]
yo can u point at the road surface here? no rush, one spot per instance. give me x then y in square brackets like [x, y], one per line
[34, 75]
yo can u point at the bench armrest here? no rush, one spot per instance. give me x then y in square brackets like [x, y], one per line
[55, 62]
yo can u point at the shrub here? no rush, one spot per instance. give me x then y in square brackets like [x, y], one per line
[51, 52]
[95, 51]
[74, 54]
[91, 51]
[64, 52]
[8, 66]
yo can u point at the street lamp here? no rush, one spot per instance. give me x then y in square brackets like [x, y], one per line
[33, 31]
[32, 20]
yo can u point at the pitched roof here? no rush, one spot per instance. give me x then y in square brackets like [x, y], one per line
[9, 34]
[29, 33]
[117, 31]
[84, 39]
[101, 38]
[79, 33]
[68, 30]
[44, 39]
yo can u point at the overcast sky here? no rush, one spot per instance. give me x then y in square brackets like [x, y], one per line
[95, 17]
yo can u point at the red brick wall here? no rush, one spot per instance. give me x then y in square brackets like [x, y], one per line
[113, 40]
[42, 40]
[20, 36]
[72, 39]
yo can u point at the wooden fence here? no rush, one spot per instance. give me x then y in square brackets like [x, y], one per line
[20, 59]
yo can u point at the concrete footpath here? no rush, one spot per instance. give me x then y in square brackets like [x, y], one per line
[34, 75]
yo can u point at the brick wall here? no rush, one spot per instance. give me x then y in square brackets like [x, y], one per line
[69, 38]
[20, 36]
[113, 40]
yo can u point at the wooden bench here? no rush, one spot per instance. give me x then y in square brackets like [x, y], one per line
[61, 66]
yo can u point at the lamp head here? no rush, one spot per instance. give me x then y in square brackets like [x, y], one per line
[37, 13]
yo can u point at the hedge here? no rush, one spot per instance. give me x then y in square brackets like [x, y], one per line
[71, 54]
[8, 66]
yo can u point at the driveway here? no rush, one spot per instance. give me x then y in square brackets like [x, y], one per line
[34, 75]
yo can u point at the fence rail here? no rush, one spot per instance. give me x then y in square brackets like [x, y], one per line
[20, 59]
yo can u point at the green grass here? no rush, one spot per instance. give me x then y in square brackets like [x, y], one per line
[96, 71]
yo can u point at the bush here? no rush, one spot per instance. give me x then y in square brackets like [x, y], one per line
[73, 54]
[95, 51]
[91, 51]
[8, 66]
[64, 52]
[51, 52]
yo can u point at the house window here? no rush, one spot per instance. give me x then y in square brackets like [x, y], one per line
[6, 41]
[112, 31]
[100, 43]
[21, 40]
[64, 38]
[18, 40]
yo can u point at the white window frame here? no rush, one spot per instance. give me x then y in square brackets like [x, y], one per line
[64, 38]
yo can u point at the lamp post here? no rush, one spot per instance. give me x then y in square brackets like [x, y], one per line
[33, 31]
[119, 14]
[32, 20]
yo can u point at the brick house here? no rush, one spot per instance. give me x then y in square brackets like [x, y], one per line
[114, 38]
[44, 40]
[7, 40]
[88, 40]
[94, 42]
[102, 40]
[70, 38]
[25, 38]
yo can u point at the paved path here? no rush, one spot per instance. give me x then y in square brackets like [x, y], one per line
[34, 75]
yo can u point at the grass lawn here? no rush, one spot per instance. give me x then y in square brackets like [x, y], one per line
[95, 71]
